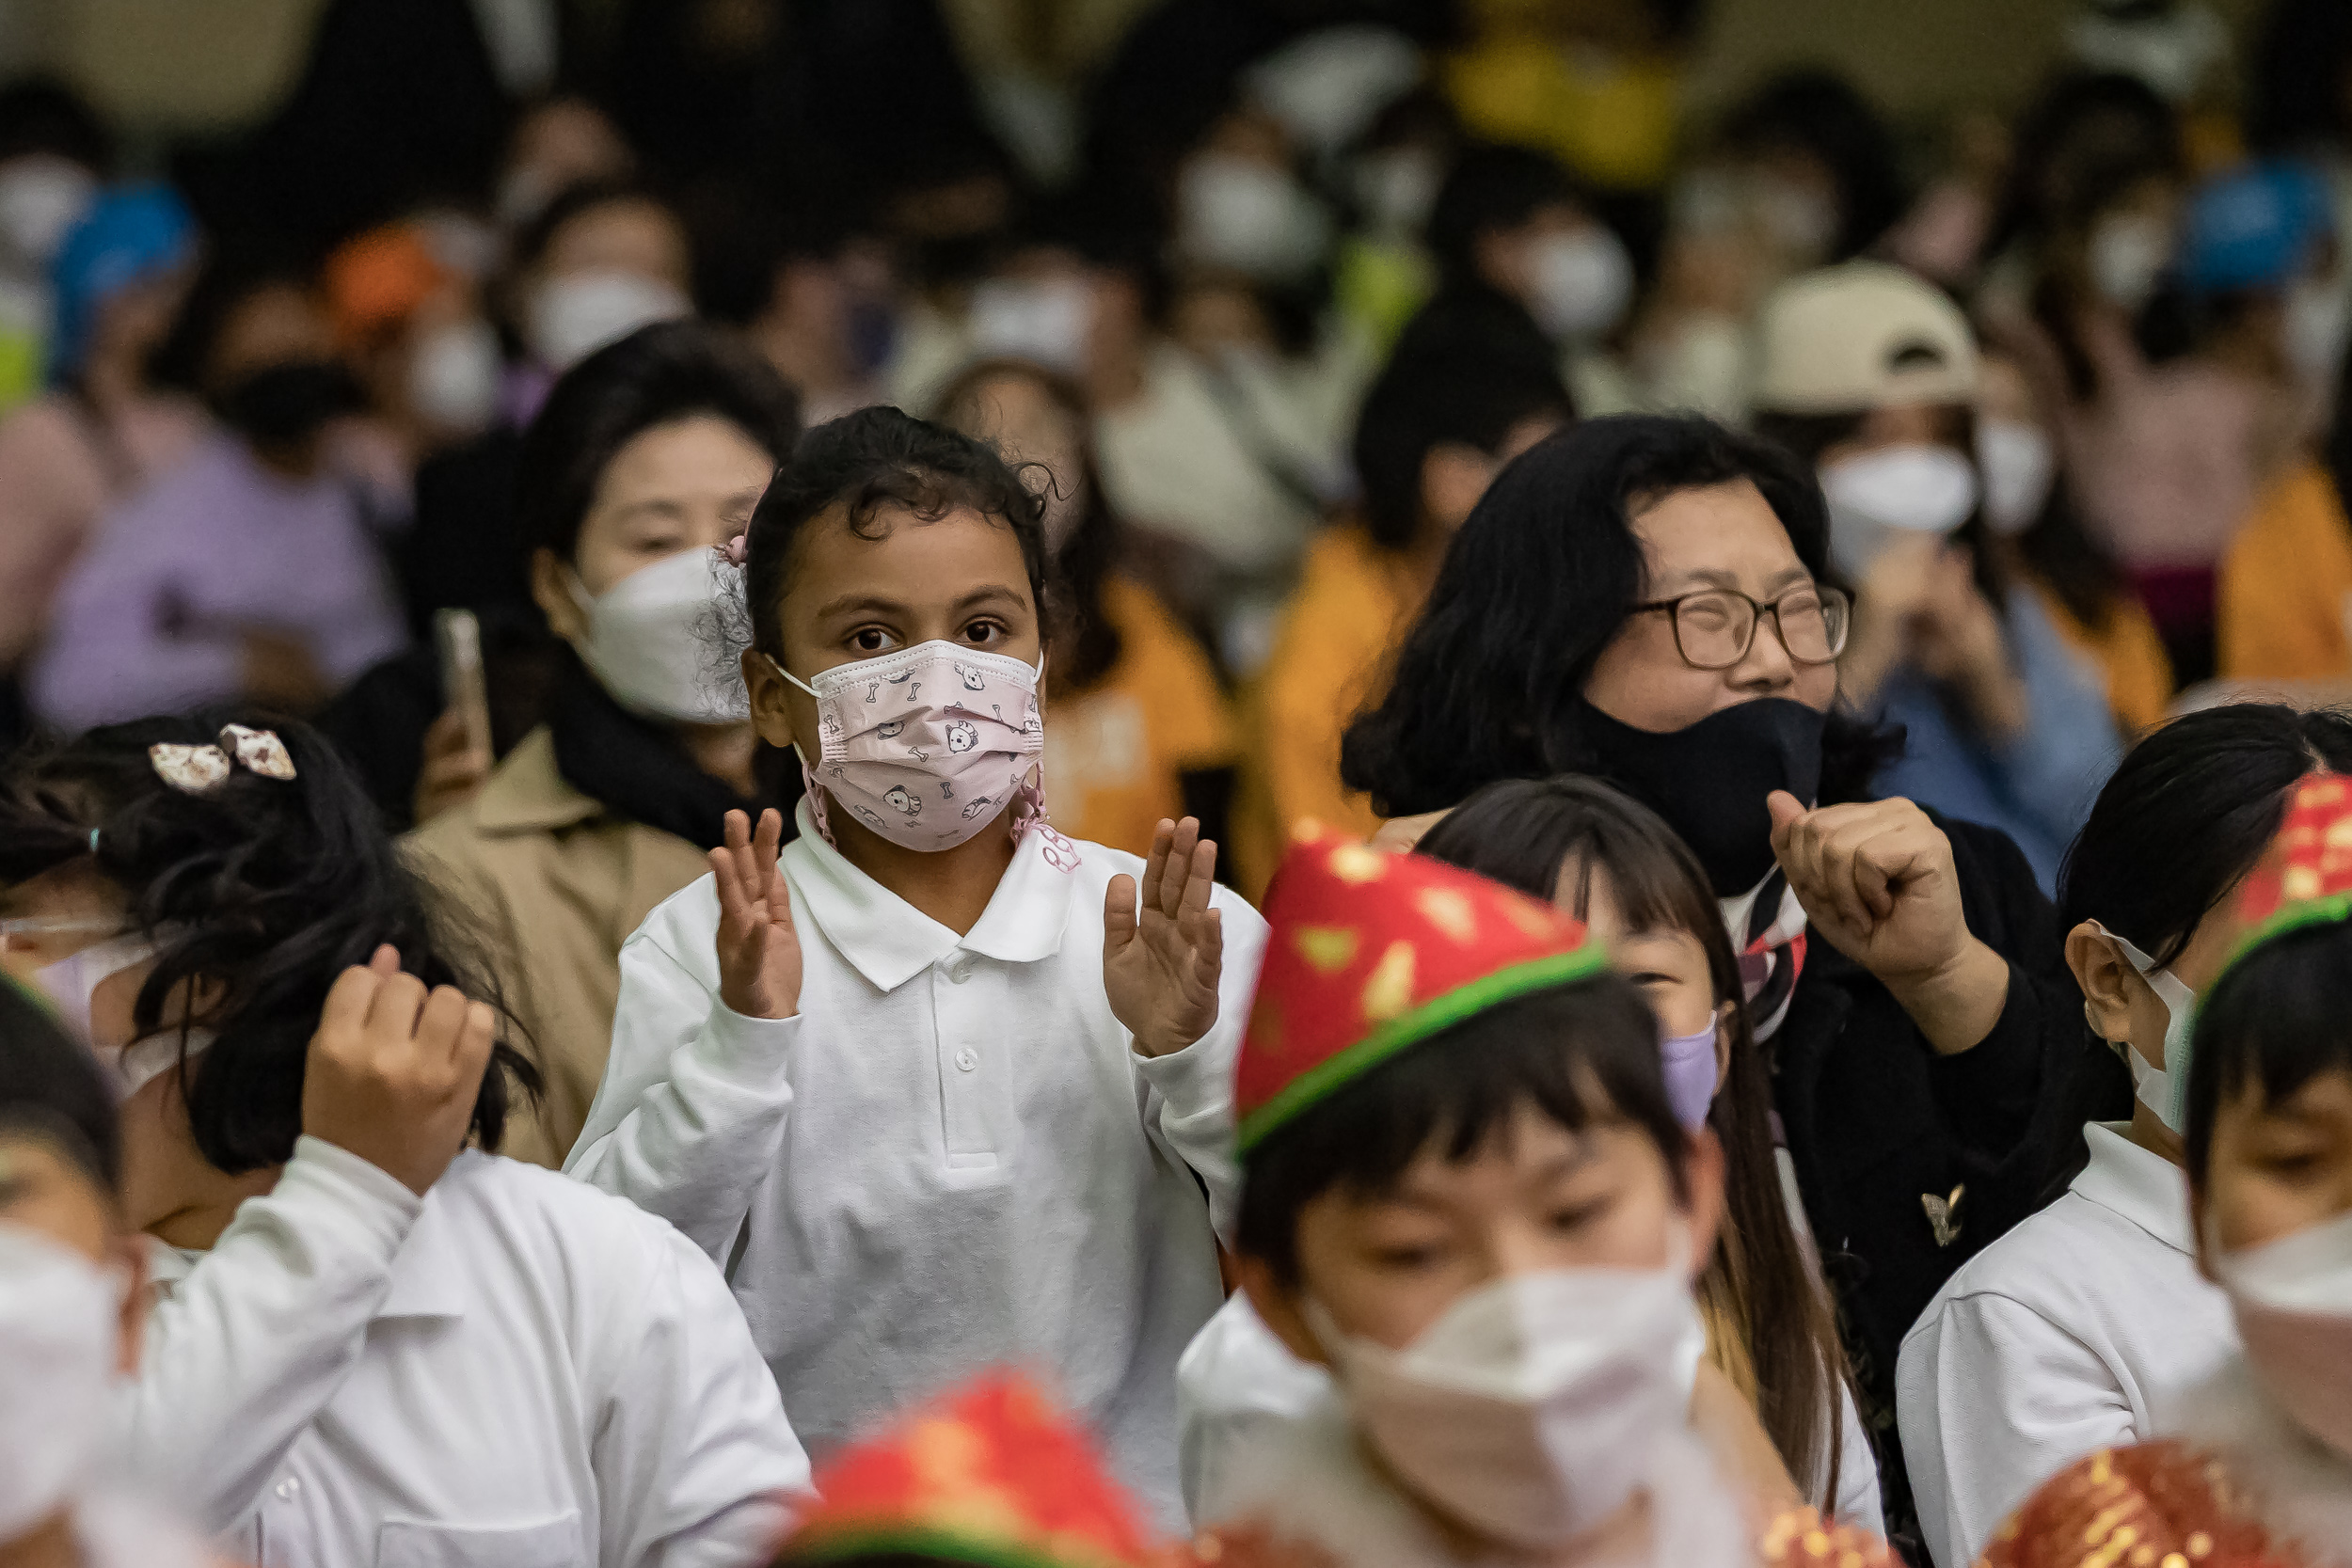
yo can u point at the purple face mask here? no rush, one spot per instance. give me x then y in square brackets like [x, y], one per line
[1689, 1064]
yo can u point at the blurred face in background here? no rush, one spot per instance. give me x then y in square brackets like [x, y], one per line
[1567, 267]
[605, 272]
[274, 373]
[690, 484]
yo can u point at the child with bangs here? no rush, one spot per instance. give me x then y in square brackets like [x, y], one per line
[1467, 1198]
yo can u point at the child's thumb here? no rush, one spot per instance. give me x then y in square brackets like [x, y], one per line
[1788, 811]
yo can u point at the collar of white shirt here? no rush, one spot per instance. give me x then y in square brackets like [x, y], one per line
[2146, 1189]
[428, 1280]
[889, 942]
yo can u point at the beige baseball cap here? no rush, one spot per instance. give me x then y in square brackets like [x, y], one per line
[1860, 334]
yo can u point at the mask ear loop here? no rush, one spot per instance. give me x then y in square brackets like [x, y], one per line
[810, 789]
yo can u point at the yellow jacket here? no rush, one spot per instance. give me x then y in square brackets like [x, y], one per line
[553, 883]
[2285, 592]
[1115, 752]
[1353, 601]
[2130, 655]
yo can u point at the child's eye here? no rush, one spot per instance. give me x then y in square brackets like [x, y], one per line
[1575, 1216]
[1651, 977]
[871, 640]
[981, 633]
[1405, 1259]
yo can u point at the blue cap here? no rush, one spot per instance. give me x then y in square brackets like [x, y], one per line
[131, 232]
[2253, 228]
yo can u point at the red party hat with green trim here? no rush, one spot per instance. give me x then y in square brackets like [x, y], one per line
[1371, 952]
[992, 1475]
[2305, 879]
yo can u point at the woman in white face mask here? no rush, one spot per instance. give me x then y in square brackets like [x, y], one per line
[1869, 373]
[70, 1308]
[2259, 1456]
[1466, 1195]
[646, 460]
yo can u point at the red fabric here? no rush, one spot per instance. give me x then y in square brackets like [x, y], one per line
[2156, 1498]
[1360, 937]
[996, 1469]
[2312, 857]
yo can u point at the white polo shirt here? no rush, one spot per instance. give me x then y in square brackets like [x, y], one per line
[951, 1158]
[515, 1371]
[2078, 1330]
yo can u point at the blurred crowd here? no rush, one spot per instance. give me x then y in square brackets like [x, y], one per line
[1268, 302]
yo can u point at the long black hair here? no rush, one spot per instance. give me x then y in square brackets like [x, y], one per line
[1087, 642]
[1759, 1285]
[2185, 816]
[1534, 587]
[265, 889]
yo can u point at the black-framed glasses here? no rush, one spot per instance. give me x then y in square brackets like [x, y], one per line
[1714, 627]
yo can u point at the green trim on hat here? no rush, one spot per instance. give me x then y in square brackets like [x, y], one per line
[1443, 1011]
[882, 1540]
[2334, 908]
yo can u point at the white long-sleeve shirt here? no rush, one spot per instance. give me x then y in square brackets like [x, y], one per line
[951, 1158]
[2079, 1330]
[514, 1371]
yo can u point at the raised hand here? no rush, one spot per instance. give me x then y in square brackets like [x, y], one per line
[760, 953]
[393, 1070]
[1163, 951]
[1877, 883]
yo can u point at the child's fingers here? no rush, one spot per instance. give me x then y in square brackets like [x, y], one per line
[734, 909]
[1119, 914]
[1208, 947]
[1155, 864]
[385, 960]
[348, 1000]
[1201, 881]
[765, 849]
[1177, 878]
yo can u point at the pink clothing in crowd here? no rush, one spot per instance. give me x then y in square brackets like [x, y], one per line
[61, 465]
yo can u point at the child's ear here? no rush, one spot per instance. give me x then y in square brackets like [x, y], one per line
[1277, 1308]
[1704, 1173]
[771, 696]
[2099, 970]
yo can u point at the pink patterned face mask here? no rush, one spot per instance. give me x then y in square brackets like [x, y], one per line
[926, 745]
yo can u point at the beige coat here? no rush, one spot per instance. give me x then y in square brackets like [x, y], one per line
[554, 882]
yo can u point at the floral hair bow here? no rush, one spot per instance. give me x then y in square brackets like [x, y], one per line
[202, 769]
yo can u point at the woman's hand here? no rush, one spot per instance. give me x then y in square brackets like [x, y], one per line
[453, 767]
[1958, 639]
[1163, 955]
[393, 1072]
[760, 953]
[1877, 882]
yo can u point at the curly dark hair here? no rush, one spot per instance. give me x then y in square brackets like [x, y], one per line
[875, 458]
[267, 889]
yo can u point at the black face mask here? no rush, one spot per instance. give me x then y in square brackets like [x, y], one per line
[283, 406]
[1708, 780]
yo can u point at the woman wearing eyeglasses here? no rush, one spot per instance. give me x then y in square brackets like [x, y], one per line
[1641, 598]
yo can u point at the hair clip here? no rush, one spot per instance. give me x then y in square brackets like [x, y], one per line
[202, 769]
[738, 548]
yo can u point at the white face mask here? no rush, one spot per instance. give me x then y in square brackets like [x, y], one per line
[1801, 222]
[2318, 318]
[1531, 1410]
[2128, 254]
[2292, 1302]
[576, 314]
[41, 199]
[2019, 466]
[1241, 213]
[1583, 283]
[453, 376]
[1880, 496]
[71, 983]
[1045, 320]
[1396, 189]
[58, 1329]
[2162, 1089]
[656, 639]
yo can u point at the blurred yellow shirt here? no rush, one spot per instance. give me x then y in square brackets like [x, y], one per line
[1352, 602]
[2130, 655]
[2285, 592]
[1610, 118]
[1115, 752]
